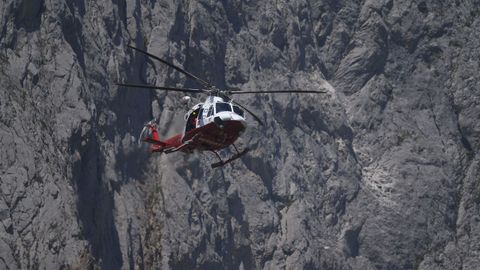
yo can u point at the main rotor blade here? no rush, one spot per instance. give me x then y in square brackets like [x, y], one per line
[251, 113]
[188, 74]
[177, 89]
[275, 91]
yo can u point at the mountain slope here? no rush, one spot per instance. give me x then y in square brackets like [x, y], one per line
[379, 173]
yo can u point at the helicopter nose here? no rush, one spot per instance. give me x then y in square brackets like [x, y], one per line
[225, 116]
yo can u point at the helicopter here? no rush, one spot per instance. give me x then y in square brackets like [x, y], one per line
[211, 125]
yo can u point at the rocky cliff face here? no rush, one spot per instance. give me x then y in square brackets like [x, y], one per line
[380, 173]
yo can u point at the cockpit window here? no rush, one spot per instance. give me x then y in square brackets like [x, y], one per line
[237, 110]
[222, 107]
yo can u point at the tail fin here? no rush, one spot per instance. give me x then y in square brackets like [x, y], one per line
[150, 134]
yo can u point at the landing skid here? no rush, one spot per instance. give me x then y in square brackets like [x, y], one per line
[234, 157]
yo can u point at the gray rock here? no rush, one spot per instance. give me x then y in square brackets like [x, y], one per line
[381, 172]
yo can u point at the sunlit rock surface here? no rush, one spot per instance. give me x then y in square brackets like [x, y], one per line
[382, 172]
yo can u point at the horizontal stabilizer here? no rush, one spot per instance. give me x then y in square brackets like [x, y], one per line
[155, 142]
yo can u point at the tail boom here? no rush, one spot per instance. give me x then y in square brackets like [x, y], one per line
[150, 135]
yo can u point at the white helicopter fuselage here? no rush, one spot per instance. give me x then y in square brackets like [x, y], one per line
[214, 107]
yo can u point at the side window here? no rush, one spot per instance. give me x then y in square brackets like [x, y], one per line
[210, 111]
[238, 111]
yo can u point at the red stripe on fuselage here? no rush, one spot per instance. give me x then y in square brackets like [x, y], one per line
[208, 137]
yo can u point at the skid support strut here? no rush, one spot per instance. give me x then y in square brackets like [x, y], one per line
[234, 157]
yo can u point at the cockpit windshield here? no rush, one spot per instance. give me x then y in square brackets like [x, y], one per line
[237, 110]
[222, 107]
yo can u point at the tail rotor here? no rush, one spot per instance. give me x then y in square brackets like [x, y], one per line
[149, 131]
